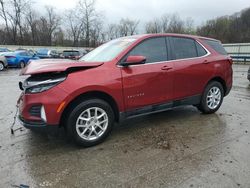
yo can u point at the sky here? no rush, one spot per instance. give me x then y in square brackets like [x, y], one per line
[145, 10]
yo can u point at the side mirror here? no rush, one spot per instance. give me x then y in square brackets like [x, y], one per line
[134, 60]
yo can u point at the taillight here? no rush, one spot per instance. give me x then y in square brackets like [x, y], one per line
[230, 60]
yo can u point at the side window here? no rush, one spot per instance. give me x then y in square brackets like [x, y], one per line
[183, 48]
[200, 50]
[23, 54]
[155, 50]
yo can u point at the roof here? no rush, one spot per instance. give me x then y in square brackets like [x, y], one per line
[168, 34]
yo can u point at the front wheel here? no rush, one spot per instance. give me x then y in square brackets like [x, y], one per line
[212, 98]
[90, 122]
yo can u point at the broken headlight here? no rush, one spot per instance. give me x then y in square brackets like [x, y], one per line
[38, 84]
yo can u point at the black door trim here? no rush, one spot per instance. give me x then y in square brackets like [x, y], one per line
[151, 109]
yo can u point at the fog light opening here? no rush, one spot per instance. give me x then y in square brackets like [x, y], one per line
[43, 114]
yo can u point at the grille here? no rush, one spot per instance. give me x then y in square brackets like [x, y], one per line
[35, 111]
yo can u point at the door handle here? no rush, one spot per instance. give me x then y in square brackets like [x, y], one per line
[166, 68]
[206, 61]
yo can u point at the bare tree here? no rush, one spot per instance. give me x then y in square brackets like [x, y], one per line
[74, 24]
[176, 25]
[16, 17]
[3, 14]
[32, 22]
[96, 33]
[154, 26]
[169, 24]
[112, 31]
[165, 23]
[189, 26]
[128, 27]
[88, 13]
[47, 25]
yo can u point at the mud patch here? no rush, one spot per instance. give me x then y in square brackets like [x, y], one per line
[154, 137]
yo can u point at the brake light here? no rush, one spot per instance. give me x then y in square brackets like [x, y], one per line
[230, 60]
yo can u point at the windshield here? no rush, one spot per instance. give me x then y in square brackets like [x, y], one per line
[108, 51]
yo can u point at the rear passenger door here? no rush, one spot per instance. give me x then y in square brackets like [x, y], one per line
[149, 83]
[190, 69]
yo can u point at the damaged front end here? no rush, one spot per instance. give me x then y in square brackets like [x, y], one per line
[42, 100]
[42, 82]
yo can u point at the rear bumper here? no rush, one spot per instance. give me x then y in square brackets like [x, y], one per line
[228, 90]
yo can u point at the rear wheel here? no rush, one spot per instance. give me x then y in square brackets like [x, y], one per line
[90, 122]
[1, 66]
[22, 64]
[212, 98]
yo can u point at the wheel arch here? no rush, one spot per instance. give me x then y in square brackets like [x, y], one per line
[90, 95]
[221, 81]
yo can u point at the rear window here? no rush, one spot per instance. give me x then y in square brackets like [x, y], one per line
[71, 53]
[216, 45]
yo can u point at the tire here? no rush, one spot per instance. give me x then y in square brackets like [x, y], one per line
[212, 98]
[1, 66]
[84, 126]
[22, 64]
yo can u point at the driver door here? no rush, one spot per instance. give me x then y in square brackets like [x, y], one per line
[150, 83]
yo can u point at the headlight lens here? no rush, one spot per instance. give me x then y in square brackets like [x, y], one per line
[40, 88]
[32, 85]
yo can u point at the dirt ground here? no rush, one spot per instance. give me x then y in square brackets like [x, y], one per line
[177, 148]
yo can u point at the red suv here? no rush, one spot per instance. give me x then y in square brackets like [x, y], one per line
[124, 78]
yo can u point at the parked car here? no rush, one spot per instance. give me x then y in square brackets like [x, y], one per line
[3, 63]
[44, 53]
[248, 74]
[19, 58]
[122, 79]
[4, 50]
[73, 54]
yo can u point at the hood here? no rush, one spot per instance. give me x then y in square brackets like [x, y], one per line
[56, 65]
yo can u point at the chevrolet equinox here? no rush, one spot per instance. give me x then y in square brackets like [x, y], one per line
[121, 79]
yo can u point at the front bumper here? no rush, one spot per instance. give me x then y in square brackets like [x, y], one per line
[41, 109]
[38, 125]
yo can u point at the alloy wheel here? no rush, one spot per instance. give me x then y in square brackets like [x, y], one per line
[92, 123]
[213, 98]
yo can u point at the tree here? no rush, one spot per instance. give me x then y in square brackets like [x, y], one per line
[32, 22]
[74, 24]
[127, 27]
[88, 15]
[154, 26]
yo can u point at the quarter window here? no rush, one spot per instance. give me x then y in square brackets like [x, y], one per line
[217, 46]
[153, 49]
